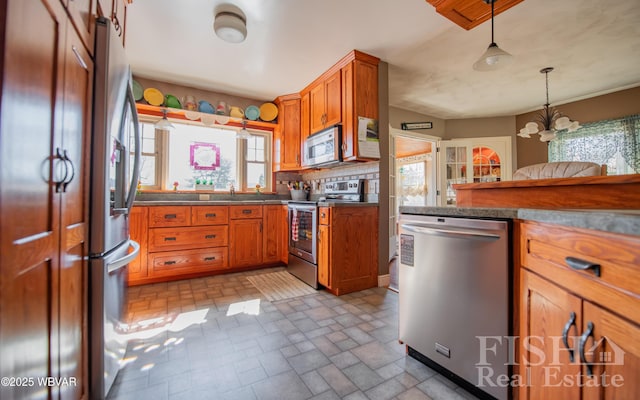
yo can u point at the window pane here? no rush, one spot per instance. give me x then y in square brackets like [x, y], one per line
[181, 142]
[255, 148]
[255, 175]
[147, 170]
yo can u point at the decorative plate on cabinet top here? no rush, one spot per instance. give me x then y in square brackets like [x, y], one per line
[154, 97]
[268, 112]
[138, 92]
[252, 113]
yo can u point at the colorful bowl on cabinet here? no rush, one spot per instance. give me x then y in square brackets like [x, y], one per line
[252, 113]
[172, 101]
[206, 107]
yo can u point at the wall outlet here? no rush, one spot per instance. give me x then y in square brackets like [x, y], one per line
[204, 197]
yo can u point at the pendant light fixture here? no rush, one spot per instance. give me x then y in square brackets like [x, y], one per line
[164, 123]
[243, 133]
[494, 58]
[552, 120]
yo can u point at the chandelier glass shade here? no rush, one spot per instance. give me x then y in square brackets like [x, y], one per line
[243, 133]
[548, 121]
[164, 124]
[494, 57]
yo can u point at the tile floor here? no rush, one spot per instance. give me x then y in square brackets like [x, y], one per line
[219, 338]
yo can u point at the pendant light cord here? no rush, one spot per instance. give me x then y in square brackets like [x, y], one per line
[546, 77]
[492, 3]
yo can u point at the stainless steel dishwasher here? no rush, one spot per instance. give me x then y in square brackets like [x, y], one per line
[455, 298]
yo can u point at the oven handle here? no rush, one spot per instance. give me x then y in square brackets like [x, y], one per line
[302, 207]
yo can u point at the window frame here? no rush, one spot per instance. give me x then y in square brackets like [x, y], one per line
[163, 153]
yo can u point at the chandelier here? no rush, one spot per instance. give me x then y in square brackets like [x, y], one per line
[552, 120]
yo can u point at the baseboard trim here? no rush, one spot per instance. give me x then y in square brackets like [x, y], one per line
[384, 280]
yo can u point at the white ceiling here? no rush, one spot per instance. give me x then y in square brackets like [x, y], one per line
[594, 46]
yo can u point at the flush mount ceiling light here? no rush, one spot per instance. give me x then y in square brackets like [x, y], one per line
[494, 58]
[243, 133]
[552, 120]
[164, 123]
[230, 24]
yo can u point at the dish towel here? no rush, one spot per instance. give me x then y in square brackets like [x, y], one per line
[294, 225]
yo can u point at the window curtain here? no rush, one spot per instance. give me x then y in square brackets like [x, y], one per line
[614, 142]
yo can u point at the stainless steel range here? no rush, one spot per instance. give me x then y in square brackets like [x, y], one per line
[303, 227]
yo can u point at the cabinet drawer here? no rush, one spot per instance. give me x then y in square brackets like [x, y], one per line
[209, 215]
[161, 239]
[188, 261]
[169, 216]
[546, 247]
[242, 212]
[324, 215]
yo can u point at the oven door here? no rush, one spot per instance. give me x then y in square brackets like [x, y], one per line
[303, 225]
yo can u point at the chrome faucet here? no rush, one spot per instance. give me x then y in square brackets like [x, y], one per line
[232, 190]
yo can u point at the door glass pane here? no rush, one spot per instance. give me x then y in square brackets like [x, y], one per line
[456, 171]
[413, 187]
[486, 164]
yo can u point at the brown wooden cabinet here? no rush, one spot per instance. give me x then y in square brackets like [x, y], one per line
[347, 250]
[138, 230]
[287, 149]
[470, 13]
[83, 15]
[305, 117]
[245, 228]
[272, 238]
[116, 11]
[596, 308]
[325, 102]
[43, 240]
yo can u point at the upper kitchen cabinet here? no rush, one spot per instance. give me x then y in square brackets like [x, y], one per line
[325, 103]
[346, 91]
[287, 146]
[83, 16]
[470, 13]
[305, 116]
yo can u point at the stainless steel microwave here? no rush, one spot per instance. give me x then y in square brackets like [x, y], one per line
[323, 149]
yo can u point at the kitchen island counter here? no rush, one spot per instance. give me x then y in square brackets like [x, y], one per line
[615, 221]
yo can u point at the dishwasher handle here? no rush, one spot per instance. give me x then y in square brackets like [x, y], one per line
[463, 234]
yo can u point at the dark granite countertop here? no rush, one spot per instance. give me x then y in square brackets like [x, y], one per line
[207, 202]
[616, 221]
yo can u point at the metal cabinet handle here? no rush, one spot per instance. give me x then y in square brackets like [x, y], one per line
[209, 258]
[565, 334]
[211, 215]
[81, 61]
[170, 239]
[583, 341]
[246, 211]
[210, 236]
[59, 156]
[323, 215]
[66, 182]
[169, 262]
[170, 216]
[582, 265]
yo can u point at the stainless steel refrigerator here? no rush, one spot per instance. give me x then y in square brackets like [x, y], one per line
[115, 160]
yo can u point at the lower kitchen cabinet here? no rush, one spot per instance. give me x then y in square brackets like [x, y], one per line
[178, 242]
[247, 242]
[579, 314]
[348, 248]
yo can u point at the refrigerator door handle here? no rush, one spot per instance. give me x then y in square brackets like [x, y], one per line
[121, 262]
[138, 150]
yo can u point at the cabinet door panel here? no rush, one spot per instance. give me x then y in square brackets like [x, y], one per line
[333, 99]
[317, 107]
[83, 13]
[324, 256]
[243, 212]
[546, 310]
[171, 263]
[291, 134]
[33, 47]
[272, 237]
[615, 354]
[138, 218]
[305, 117]
[246, 242]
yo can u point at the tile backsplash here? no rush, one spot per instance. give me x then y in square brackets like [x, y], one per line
[369, 171]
